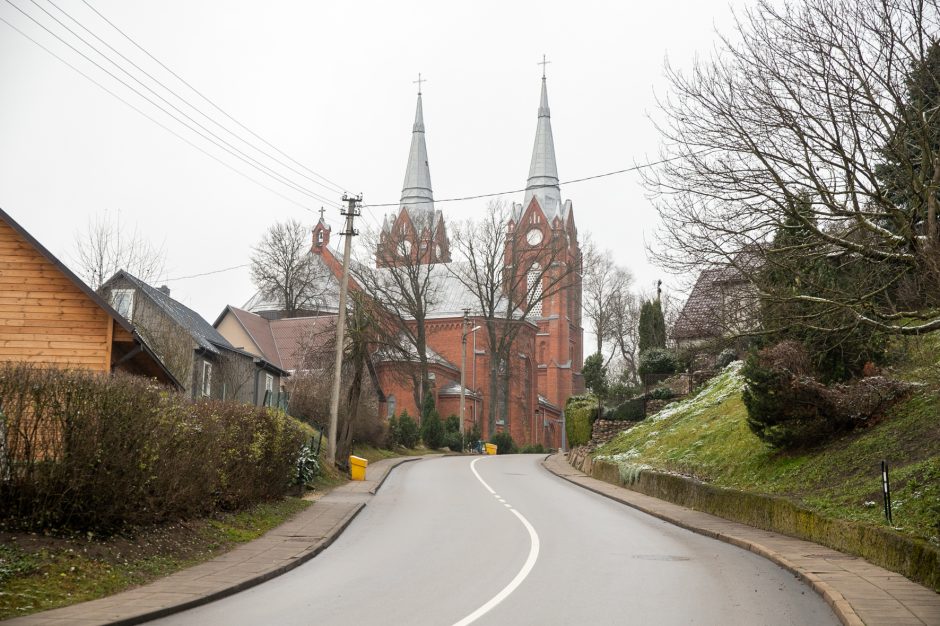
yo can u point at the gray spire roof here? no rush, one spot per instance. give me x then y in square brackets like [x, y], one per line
[543, 171]
[416, 194]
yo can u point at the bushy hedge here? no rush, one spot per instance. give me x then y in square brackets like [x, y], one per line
[632, 410]
[504, 443]
[580, 412]
[93, 452]
[656, 363]
[788, 408]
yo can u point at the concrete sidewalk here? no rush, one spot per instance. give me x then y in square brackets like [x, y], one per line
[278, 551]
[858, 592]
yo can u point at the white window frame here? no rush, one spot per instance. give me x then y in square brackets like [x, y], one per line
[206, 379]
[121, 299]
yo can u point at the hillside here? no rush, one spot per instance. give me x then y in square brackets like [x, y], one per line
[706, 437]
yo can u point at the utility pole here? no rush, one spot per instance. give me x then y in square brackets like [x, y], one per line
[352, 211]
[463, 374]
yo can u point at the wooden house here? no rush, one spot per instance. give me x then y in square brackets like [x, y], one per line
[50, 317]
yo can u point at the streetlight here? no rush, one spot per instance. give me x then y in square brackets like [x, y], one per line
[463, 368]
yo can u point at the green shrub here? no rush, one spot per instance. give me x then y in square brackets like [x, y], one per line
[532, 448]
[656, 363]
[788, 408]
[88, 451]
[632, 410]
[407, 430]
[474, 434]
[453, 442]
[725, 358]
[580, 412]
[394, 433]
[504, 443]
[308, 465]
[432, 430]
[662, 393]
[452, 424]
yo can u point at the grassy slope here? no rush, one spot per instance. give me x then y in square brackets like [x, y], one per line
[39, 572]
[707, 437]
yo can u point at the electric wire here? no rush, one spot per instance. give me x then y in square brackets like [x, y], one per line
[334, 188]
[633, 168]
[221, 143]
[337, 187]
[155, 121]
[209, 273]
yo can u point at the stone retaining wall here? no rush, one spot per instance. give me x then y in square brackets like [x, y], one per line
[915, 559]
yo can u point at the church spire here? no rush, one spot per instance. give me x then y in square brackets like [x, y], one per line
[416, 194]
[543, 171]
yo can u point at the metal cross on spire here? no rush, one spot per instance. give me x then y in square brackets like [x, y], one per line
[543, 63]
[322, 211]
[419, 81]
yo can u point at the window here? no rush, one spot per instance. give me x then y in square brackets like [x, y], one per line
[391, 406]
[123, 302]
[534, 287]
[206, 378]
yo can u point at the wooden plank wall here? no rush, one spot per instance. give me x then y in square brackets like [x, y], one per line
[44, 318]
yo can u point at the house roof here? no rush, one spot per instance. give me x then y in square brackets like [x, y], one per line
[258, 328]
[202, 332]
[91, 293]
[294, 335]
[284, 341]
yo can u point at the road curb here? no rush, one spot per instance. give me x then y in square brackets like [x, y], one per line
[396, 463]
[836, 601]
[248, 583]
[79, 613]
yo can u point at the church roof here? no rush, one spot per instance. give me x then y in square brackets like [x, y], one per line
[327, 288]
[416, 195]
[543, 170]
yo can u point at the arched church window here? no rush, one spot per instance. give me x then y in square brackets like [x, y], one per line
[534, 288]
[391, 406]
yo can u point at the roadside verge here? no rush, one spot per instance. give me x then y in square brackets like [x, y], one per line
[858, 591]
[278, 551]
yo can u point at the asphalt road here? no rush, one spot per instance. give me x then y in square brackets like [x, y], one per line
[435, 546]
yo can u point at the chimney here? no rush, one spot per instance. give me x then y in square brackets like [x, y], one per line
[165, 290]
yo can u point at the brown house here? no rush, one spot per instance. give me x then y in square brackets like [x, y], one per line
[50, 317]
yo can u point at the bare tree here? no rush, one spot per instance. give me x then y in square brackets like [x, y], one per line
[408, 288]
[794, 122]
[623, 331]
[284, 270]
[510, 281]
[604, 283]
[358, 416]
[106, 246]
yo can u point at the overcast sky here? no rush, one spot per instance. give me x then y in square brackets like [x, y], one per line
[331, 85]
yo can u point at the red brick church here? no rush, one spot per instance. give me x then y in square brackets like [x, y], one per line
[548, 349]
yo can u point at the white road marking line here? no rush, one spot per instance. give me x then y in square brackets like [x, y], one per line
[523, 573]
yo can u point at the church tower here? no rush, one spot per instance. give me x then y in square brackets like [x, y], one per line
[417, 233]
[544, 242]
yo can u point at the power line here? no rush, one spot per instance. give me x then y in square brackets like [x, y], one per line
[337, 187]
[227, 147]
[334, 187]
[158, 123]
[224, 269]
[566, 182]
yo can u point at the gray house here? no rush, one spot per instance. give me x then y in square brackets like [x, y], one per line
[204, 361]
